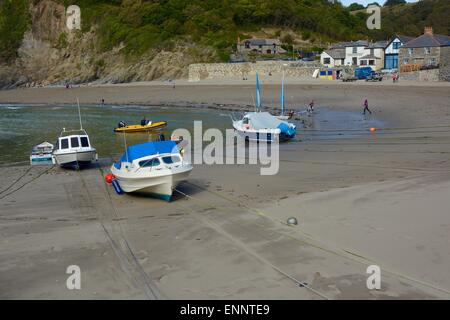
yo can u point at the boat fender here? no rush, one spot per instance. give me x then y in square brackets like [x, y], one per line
[109, 178]
[117, 187]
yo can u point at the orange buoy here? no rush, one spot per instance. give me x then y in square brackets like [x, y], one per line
[109, 178]
[372, 129]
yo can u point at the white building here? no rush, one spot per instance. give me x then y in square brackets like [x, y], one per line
[391, 51]
[333, 57]
[361, 53]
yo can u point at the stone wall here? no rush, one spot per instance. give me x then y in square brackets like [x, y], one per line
[300, 70]
[423, 75]
[444, 66]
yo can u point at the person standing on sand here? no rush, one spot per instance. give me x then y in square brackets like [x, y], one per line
[311, 107]
[366, 107]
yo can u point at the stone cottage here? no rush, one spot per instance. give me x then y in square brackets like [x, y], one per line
[428, 51]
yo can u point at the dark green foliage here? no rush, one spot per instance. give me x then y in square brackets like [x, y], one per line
[394, 2]
[14, 21]
[355, 6]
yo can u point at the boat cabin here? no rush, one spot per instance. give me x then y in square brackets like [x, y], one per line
[73, 142]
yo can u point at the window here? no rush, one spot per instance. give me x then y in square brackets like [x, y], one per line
[427, 50]
[84, 142]
[149, 163]
[171, 159]
[405, 61]
[355, 50]
[396, 45]
[410, 51]
[363, 62]
[74, 143]
[247, 44]
[355, 61]
[326, 61]
[64, 143]
[372, 51]
[371, 62]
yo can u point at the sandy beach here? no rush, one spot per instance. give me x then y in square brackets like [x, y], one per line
[372, 199]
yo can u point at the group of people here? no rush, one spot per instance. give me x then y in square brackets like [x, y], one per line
[310, 108]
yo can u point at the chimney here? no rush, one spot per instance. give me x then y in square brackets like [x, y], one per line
[428, 30]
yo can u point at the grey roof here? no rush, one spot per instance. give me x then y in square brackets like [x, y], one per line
[403, 39]
[336, 53]
[261, 42]
[359, 43]
[378, 44]
[340, 45]
[428, 40]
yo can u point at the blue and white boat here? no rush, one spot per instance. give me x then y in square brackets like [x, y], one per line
[262, 126]
[41, 153]
[153, 168]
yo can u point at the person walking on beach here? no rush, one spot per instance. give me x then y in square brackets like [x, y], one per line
[311, 107]
[366, 107]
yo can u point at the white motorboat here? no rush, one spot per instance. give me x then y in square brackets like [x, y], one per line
[41, 153]
[153, 168]
[73, 148]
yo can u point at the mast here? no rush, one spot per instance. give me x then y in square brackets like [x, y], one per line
[79, 114]
[258, 94]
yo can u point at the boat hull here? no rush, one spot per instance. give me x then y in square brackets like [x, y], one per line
[159, 186]
[77, 158]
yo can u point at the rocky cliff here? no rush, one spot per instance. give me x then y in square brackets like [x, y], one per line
[51, 54]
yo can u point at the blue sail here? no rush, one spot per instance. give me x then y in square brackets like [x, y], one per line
[258, 94]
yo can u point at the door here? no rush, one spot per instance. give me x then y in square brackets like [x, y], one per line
[391, 61]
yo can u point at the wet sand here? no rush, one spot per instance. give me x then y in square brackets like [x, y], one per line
[374, 199]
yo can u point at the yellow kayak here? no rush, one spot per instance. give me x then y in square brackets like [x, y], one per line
[141, 128]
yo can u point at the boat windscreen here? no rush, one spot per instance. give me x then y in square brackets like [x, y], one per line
[84, 142]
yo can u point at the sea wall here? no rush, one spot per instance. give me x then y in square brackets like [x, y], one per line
[300, 70]
[422, 75]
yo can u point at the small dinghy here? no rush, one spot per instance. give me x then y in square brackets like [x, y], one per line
[153, 168]
[41, 153]
[143, 127]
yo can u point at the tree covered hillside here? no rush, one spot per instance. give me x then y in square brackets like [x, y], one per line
[140, 25]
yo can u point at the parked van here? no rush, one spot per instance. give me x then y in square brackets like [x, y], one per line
[362, 73]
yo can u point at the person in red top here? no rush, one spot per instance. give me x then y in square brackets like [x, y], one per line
[366, 107]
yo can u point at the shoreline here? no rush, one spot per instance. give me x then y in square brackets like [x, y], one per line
[353, 199]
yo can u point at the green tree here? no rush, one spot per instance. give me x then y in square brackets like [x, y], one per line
[14, 21]
[394, 2]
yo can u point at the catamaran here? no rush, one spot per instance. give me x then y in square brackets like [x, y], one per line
[153, 168]
[262, 126]
[74, 148]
